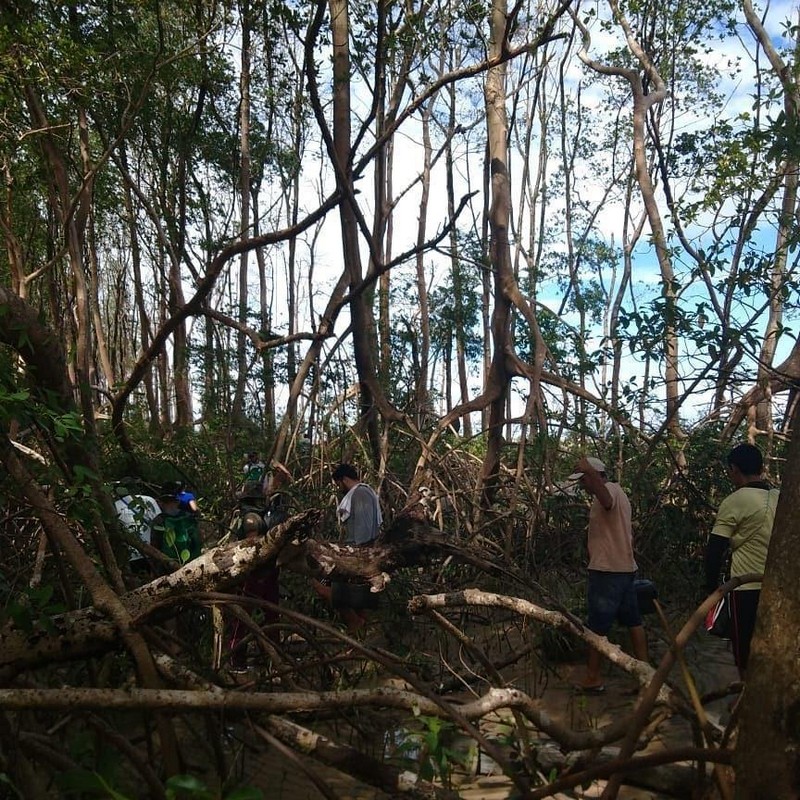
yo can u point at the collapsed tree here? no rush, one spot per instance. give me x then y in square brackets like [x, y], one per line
[90, 632]
[70, 637]
[123, 134]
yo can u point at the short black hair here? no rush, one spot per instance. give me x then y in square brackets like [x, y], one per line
[345, 471]
[747, 458]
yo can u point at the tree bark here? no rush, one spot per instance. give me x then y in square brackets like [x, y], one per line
[497, 380]
[788, 75]
[769, 739]
[238, 411]
[362, 320]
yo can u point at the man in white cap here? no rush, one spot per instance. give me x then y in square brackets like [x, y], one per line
[611, 594]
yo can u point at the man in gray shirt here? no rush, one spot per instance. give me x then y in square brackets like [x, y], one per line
[359, 512]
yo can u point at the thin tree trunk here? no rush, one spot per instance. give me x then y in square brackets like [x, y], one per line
[363, 324]
[108, 377]
[769, 737]
[459, 316]
[788, 74]
[163, 373]
[422, 401]
[244, 200]
[180, 362]
[500, 254]
[73, 216]
[145, 327]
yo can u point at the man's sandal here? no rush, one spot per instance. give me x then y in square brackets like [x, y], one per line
[581, 689]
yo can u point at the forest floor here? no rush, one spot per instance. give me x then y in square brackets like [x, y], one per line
[710, 663]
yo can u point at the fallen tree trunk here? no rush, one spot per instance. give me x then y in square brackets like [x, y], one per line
[88, 631]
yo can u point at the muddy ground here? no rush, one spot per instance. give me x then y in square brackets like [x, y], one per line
[711, 665]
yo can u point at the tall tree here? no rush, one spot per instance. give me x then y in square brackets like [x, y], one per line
[244, 201]
[497, 380]
[647, 89]
[361, 316]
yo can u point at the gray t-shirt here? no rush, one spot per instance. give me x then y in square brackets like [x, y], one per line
[362, 525]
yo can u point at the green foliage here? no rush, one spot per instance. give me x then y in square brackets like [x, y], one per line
[201, 461]
[20, 405]
[13, 402]
[188, 787]
[148, 93]
[8, 783]
[32, 610]
[99, 772]
[432, 747]
[779, 138]
[455, 303]
[87, 783]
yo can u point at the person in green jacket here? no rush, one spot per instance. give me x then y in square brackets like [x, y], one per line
[176, 531]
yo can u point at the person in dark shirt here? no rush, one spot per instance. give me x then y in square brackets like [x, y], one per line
[263, 583]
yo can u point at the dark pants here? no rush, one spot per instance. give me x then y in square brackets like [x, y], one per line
[262, 585]
[743, 618]
[353, 595]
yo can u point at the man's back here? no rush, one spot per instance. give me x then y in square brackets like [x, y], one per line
[746, 518]
[610, 533]
[364, 520]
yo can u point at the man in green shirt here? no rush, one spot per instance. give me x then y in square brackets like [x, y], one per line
[743, 524]
[176, 531]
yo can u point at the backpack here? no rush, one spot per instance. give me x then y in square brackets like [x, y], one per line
[254, 472]
[252, 484]
[277, 510]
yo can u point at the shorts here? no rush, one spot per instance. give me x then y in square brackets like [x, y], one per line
[611, 597]
[357, 596]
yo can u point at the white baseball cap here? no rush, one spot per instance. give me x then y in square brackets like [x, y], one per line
[595, 463]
